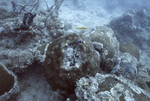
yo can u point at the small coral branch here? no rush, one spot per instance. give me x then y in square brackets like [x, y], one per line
[27, 21]
[54, 8]
[58, 4]
[28, 15]
[18, 8]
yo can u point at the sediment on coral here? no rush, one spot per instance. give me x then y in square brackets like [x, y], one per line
[69, 58]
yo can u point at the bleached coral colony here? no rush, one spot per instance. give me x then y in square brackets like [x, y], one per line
[38, 54]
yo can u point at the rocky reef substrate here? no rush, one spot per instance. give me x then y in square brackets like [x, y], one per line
[95, 66]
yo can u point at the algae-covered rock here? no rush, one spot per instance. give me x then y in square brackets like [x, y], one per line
[107, 46]
[109, 88]
[105, 35]
[131, 49]
[69, 58]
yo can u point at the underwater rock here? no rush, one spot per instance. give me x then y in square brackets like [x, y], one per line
[126, 66]
[15, 47]
[131, 49]
[105, 35]
[8, 82]
[123, 64]
[18, 47]
[69, 58]
[109, 87]
[133, 27]
[16, 59]
[107, 46]
[107, 65]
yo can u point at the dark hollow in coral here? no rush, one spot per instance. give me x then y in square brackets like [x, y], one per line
[148, 84]
[6, 81]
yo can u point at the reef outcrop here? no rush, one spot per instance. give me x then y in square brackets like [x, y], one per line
[106, 44]
[69, 58]
[105, 36]
[133, 27]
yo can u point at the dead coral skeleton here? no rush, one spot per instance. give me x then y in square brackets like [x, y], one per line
[18, 8]
[28, 13]
[53, 9]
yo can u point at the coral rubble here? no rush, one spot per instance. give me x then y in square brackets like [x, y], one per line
[109, 87]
